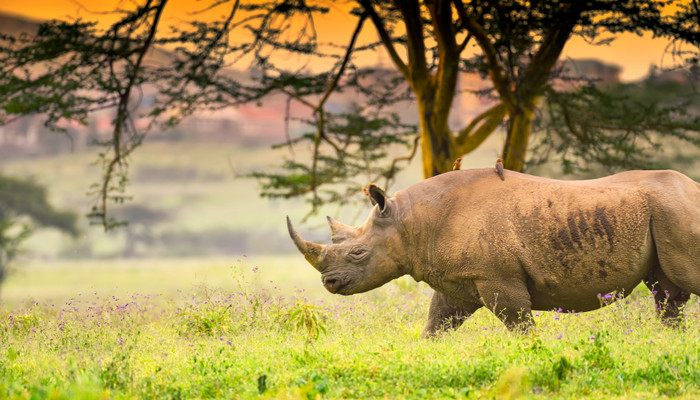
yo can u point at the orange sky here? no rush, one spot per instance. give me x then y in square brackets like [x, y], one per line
[634, 54]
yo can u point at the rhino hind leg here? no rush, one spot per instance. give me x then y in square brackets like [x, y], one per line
[512, 305]
[447, 313]
[668, 297]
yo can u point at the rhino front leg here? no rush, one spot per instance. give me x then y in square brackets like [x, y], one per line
[447, 313]
[510, 301]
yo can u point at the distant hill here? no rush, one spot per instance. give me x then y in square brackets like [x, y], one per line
[15, 25]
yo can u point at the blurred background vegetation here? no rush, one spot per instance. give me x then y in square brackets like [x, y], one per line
[191, 200]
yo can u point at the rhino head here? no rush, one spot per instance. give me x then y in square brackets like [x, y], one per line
[359, 259]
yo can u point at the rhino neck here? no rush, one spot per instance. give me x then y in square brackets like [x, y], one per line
[416, 273]
[425, 222]
[413, 227]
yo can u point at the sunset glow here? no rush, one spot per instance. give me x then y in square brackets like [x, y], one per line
[631, 52]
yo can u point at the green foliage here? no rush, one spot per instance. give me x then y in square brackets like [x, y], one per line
[23, 205]
[595, 351]
[19, 197]
[306, 318]
[206, 322]
[12, 234]
[314, 387]
[19, 324]
[561, 368]
[359, 141]
[616, 128]
[210, 314]
[117, 373]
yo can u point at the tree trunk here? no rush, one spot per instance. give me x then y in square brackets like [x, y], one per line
[437, 145]
[518, 135]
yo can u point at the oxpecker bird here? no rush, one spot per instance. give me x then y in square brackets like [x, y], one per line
[499, 169]
[365, 190]
[457, 164]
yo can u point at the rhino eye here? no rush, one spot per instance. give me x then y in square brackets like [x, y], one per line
[357, 253]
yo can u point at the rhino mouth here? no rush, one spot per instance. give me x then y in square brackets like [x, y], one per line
[334, 283]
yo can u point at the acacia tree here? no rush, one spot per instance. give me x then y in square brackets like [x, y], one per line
[520, 44]
[23, 208]
[68, 70]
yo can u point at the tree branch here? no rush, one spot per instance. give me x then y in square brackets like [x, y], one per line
[468, 139]
[204, 54]
[122, 116]
[448, 52]
[498, 77]
[348, 53]
[413, 21]
[385, 38]
[296, 97]
[318, 109]
[395, 161]
[540, 68]
[462, 16]
[465, 42]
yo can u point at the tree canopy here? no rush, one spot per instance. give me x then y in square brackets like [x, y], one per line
[70, 69]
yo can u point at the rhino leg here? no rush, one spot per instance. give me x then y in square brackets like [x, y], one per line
[510, 302]
[669, 298]
[447, 313]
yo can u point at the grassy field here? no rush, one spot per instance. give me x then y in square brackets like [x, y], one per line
[61, 280]
[264, 328]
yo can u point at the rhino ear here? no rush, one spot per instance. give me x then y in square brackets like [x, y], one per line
[377, 195]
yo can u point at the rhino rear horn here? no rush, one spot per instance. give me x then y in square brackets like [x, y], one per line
[311, 251]
[339, 231]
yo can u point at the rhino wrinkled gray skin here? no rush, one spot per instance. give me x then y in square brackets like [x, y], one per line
[523, 244]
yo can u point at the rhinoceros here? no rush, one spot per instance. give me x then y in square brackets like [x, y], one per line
[522, 244]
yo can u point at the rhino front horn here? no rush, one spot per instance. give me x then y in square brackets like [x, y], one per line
[311, 251]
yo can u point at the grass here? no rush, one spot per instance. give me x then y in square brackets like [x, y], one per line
[237, 335]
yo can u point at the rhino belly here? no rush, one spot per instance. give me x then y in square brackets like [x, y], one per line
[584, 298]
[582, 283]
